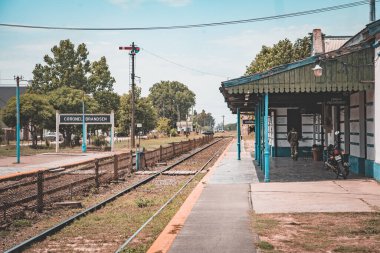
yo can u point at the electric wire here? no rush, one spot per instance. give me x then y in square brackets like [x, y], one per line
[182, 66]
[232, 22]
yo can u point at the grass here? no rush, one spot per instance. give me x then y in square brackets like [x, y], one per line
[10, 150]
[318, 232]
[22, 223]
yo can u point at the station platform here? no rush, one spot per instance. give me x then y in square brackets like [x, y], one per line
[216, 216]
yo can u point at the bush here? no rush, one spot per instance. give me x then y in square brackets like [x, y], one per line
[100, 141]
[173, 132]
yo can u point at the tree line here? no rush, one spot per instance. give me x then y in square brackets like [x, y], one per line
[67, 79]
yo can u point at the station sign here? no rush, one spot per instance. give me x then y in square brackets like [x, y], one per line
[88, 118]
[248, 121]
[337, 101]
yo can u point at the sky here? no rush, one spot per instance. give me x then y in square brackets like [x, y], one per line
[200, 58]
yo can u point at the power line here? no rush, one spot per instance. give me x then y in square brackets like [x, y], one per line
[233, 22]
[183, 66]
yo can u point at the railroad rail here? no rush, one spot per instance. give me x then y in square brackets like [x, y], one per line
[38, 189]
[98, 206]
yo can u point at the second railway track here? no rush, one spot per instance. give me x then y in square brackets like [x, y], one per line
[106, 226]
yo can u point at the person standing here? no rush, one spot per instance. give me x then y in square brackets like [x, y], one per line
[293, 140]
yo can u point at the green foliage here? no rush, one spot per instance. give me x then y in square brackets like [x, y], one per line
[21, 223]
[171, 100]
[204, 119]
[143, 202]
[265, 245]
[68, 67]
[281, 53]
[173, 132]
[34, 111]
[69, 100]
[100, 141]
[163, 125]
[107, 101]
[145, 113]
[100, 78]
[230, 127]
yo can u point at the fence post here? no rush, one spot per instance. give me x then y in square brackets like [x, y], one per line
[143, 159]
[160, 152]
[173, 149]
[181, 147]
[96, 173]
[115, 167]
[40, 191]
[131, 155]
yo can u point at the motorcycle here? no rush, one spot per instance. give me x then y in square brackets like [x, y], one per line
[335, 159]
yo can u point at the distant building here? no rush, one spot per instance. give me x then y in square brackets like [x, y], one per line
[185, 126]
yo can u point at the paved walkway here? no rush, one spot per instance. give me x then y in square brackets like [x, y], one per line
[219, 221]
[8, 165]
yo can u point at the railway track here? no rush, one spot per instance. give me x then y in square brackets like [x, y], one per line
[111, 225]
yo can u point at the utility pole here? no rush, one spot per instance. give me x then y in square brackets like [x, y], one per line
[133, 51]
[17, 78]
[223, 123]
[372, 11]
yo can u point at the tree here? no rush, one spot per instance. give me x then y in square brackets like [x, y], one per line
[146, 114]
[69, 67]
[281, 53]
[69, 100]
[100, 78]
[204, 120]
[35, 114]
[172, 100]
[163, 125]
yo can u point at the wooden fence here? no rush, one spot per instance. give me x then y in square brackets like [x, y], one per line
[34, 191]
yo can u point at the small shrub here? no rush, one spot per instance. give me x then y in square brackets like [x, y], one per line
[22, 223]
[265, 245]
[143, 202]
[100, 141]
[173, 132]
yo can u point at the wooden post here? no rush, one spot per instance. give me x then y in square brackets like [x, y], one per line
[181, 147]
[173, 149]
[131, 155]
[40, 191]
[143, 159]
[115, 167]
[160, 153]
[96, 173]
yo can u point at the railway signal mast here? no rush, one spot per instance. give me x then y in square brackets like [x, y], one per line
[133, 51]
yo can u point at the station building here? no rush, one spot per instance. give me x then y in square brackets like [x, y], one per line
[332, 90]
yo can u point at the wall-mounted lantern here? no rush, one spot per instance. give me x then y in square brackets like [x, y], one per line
[317, 70]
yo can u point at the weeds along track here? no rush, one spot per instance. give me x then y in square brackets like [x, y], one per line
[106, 226]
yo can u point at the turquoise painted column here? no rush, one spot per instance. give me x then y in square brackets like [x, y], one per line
[266, 139]
[238, 133]
[256, 133]
[259, 134]
[18, 121]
